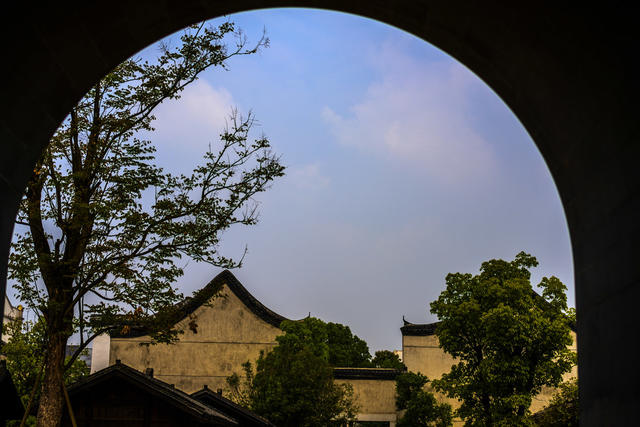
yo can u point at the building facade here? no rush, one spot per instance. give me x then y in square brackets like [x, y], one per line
[9, 314]
[422, 353]
[218, 338]
[230, 329]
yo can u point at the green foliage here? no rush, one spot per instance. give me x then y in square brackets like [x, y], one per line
[563, 410]
[296, 388]
[420, 406]
[510, 341]
[24, 352]
[25, 355]
[309, 333]
[103, 221]
[407, 385]
[387, 359]
[90, 187]
[346, 349]
[101, 230]
[331, 341]
[293, 384]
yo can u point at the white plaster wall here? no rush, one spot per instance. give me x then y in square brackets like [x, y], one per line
[10, 313]
[100, 352]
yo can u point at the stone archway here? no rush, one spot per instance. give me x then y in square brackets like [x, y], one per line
[569, 75]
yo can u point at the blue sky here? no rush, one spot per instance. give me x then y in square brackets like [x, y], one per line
[402, 166]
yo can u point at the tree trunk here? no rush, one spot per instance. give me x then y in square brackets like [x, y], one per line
[51, 397]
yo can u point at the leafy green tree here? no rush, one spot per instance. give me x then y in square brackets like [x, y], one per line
[420, 406]
[509, 341]
[346, 349]
[308, 333]
[563, 409]
[331, 341]
[101, 229]
[25, 356]
[296, 388]
[293, 384]
[387, 359]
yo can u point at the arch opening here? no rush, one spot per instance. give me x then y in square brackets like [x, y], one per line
[548, 79]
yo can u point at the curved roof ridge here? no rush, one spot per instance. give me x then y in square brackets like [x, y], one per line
[419, 329]
[190, 304]
[249, 300]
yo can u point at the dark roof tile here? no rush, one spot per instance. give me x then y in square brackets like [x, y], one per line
[419, 330]
[242, 414]
[365, 373]
[155, 387]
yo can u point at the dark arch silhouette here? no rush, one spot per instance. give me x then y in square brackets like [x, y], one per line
[569, 74]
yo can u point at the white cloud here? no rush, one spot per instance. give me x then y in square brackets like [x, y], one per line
[309, 177]
[194, 120]
[417, 114]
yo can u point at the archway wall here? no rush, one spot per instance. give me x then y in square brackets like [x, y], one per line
[569, 75]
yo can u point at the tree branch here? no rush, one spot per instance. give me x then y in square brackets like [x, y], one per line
[82, 346]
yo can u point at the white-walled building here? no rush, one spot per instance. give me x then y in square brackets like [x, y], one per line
[10, 313]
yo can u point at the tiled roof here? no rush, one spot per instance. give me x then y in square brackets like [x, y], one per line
[427, 329]
[365, 373]
[155, 387]
[242, 414]
[419, 330]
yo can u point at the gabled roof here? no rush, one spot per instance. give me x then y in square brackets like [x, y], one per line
[244, 416]
[201, 297]
[155, 387]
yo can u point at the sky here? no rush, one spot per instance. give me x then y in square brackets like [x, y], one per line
[402, 166]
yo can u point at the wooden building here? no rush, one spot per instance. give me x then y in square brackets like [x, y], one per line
[125, 397]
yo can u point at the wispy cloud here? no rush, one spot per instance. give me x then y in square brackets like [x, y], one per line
[417, 115]
[309, 177]
[196, 119]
